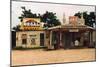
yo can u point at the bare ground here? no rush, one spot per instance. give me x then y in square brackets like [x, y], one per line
[39, 56]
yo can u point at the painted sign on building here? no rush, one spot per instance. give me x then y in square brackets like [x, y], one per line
[73, 30]
[31, 24]
[73, 20]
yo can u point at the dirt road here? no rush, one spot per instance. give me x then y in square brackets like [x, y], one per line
[39, 56]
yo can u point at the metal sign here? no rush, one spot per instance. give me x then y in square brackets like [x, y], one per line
[73, 20]
[73, 30]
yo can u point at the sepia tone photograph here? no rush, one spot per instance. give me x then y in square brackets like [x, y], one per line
[52, 33]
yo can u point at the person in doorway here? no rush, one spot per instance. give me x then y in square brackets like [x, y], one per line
[55, 44]
[76, 43]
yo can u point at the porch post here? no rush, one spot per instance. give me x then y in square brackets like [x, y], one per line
[91, 39]
[51, 47]
[81, 39]
[60, 39]
[47, 41]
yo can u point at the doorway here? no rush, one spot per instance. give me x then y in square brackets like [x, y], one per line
[67, 39]
[41, 39]
[56, 39]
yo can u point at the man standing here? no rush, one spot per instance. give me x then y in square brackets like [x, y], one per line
[76, 43]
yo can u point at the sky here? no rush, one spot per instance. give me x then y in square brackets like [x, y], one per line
[59, 9]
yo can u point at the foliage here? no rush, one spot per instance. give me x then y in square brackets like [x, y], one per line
[48, 17]
[16, 28]
[90, 18]
[29, 48]
[28, 14]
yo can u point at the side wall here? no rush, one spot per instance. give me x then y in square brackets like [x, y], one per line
[34, 34]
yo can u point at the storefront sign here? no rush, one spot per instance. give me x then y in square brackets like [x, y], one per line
[73, 20]
[73, 30]
[31, 24]
[32, 28]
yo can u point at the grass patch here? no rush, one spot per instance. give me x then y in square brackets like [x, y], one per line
[21, 48]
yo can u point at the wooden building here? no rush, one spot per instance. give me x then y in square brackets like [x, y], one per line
[31, 33]
[67, 35]
[71, 35]
[64, 36]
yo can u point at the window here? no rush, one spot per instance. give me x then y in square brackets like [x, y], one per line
[33, 42]
[24, 41]
[24, 38]
[16, 38]
[33, 39]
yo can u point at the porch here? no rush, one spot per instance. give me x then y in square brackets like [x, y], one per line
[64, 36]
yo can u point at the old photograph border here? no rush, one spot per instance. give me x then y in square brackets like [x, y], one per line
[44, 3]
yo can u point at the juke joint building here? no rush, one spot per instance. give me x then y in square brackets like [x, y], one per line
[74, 34]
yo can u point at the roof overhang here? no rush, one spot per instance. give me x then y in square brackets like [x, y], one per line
[68, 27]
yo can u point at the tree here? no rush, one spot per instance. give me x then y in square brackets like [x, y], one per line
[50, 18]
[27, 14]
[90, 18]
[16, 28]
[78, 14]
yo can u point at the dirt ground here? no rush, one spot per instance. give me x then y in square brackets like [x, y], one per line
[39, 56]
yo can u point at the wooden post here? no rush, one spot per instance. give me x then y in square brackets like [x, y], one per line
[81, 39]
[60, 39]
[47, 39]
[50, 39]
[91, 39]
